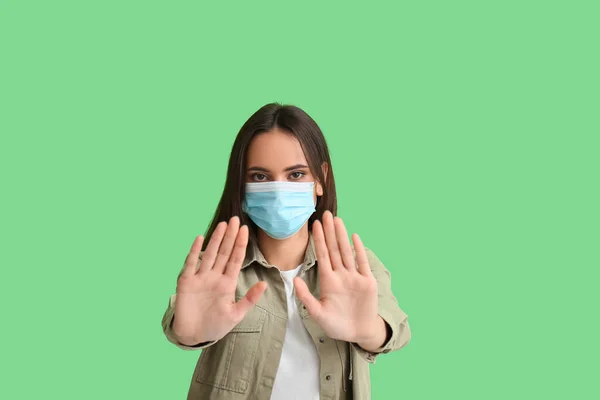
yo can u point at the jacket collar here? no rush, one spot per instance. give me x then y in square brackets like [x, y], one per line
[253, 254]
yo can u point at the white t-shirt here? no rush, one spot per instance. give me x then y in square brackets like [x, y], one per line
[297, 377]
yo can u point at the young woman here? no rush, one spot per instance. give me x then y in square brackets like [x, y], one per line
[281, 304]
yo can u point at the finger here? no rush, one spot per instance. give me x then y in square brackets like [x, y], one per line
[251, 298]
[331, 240]
[238, 254]
[210, 254]
[321, 248]
[227, 244]
[191, 261]
[344, 245]
[361, 256]
[313, 306]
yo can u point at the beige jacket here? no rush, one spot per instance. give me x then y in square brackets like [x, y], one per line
[243, 364]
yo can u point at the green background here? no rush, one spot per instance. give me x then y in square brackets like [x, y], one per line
[464, 140]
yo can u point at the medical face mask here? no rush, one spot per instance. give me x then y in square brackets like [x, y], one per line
[280, 209]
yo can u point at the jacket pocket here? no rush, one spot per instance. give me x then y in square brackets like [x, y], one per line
[228, 363]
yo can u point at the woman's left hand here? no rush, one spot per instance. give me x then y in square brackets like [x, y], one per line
[347, 309]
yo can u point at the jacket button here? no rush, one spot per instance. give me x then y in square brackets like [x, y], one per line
[321, 339]
[328, 377]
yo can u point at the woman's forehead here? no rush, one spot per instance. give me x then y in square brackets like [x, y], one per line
[274, 150]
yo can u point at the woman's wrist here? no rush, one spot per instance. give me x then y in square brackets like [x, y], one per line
[378, 337]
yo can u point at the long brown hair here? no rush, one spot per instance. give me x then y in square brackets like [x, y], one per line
[294, 121]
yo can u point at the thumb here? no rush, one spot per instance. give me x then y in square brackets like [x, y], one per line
[313, 306]
[246, 303]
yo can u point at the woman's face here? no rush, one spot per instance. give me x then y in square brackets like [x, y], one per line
[278, 156]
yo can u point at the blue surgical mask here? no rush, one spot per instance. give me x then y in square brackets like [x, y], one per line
[280, 209]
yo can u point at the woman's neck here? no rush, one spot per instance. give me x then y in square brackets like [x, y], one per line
[285, 254]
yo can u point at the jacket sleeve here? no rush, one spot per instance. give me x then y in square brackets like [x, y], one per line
[169, 315]
[388, 309]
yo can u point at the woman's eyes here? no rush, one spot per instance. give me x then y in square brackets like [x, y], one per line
[262, 177]
[259, 177]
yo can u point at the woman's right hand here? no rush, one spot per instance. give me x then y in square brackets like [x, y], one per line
[205, 306]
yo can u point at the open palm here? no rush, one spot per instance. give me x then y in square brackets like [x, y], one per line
[205, 308]
[347, 309]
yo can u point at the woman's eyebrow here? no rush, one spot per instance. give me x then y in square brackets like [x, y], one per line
[297, 166]
[261, 169]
